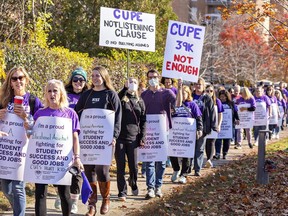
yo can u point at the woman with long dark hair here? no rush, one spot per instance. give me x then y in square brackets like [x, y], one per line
[227, 103]
[102, 96]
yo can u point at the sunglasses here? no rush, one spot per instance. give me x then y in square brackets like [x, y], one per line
[76, 79]
[209, 91]
[20, 78]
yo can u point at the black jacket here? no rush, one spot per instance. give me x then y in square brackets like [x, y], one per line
[133, 117]
[105, 99]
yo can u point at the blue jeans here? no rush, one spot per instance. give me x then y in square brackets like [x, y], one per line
[154, 174]
[226, 146]
[256, 131]
[15, 193]
[199, 154]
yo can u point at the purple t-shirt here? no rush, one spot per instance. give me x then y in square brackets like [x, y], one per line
[190, 110]
[250, 101]
[226, 106]
[174, 90]
[25, 103]
[265, 99]
[65, 113]
[198, 101]
[273, 99]
[219, 106]
[159, 102]
[282, 103]
[73, 99]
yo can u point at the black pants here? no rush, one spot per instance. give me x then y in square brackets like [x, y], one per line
[209, 148]
[41, 195]
[185, 165]
[129, 149]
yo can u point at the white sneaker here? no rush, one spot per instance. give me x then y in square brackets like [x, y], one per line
[150, 193]
[209, 164]
[182, 180]
[74, 209]
[175, 176]
[277, 136]
[122, 199]
[57, 203]
[159, 192]
[135, 192]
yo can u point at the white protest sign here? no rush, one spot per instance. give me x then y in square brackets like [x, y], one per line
[50, 150]
[12, 148]
[274, 114]
[246, 117]
[183, 51]
[97, 128]
[227, 125]
[260, 114]
[182, 138]
[155, 148]
[281, 110]
[127, 29]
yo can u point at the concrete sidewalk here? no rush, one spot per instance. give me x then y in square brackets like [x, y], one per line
[122, 208]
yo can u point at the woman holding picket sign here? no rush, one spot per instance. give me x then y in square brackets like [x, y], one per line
[101, 96]
[56, 105]
[282, 109]
[249, 105]
[275, 113]
[210, 142]
[228, 104]
[187, 108]
[76, 85]
[263, 103]
[15, 85]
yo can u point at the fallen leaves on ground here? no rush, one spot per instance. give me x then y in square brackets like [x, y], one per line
[231, 190]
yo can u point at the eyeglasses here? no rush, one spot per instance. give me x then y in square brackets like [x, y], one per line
[209, 91]
[20, 78]
[76, 79]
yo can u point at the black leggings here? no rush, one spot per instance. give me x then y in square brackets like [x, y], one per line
[41, 195]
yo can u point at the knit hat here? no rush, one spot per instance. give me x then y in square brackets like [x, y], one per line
[79, 71]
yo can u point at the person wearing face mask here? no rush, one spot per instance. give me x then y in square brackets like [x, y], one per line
[157, 101]
[132, 135]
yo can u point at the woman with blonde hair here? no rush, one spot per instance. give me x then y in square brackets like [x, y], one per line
[102, 96]
[246, 98]
[56, 105]
[282, 111]
[186, 108]
[15, 85]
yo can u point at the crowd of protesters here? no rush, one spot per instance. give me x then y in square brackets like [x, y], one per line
[200, 101]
